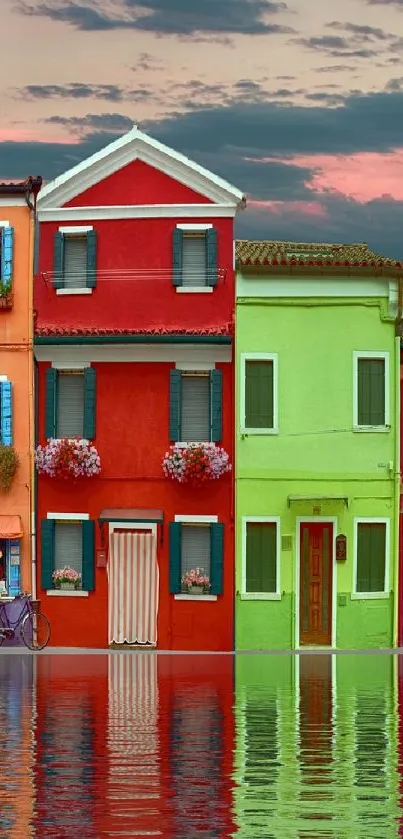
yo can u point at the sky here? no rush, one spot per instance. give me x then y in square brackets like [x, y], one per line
[298, 103]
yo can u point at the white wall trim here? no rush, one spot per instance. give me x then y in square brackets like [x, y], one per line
[13, 201]
[72, 230]
[194, 228]
[255, 356]
[118, 212]
[3, 379]
[197, 366]
[319, 520]
[196, 597]
[70, 365]
[371, 595]
[356, 357]
[272, 285]
[245, 595]
[68, 516]
[193, 289]
[54, 592]
[65, 292]
[196, 520]
[4, 223]
[171, 353]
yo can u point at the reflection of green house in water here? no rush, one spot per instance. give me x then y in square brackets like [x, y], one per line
[317, 458]
[316, 747]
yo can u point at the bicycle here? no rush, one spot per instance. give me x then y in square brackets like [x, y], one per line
[34, 625]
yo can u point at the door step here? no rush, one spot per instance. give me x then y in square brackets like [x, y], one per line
[125, 646]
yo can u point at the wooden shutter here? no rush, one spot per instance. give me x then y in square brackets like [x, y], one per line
[88, 555]
[51, 402]
[6, 414]
[177, 257]
[259, 396]
[47, 552]
[175, 388]
[174, 557]
[217, 558]
[371, 391]
[216, 405]
[211, 256]
[371, 556]
[91, 258]
[261, 557]
[58, 249]
[7, 250]
[195, 414]
[70, 405]
[90, 401]
[68, 545]
[194, 260]
[75, 261]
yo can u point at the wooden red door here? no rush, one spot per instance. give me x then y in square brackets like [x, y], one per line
[315, 604]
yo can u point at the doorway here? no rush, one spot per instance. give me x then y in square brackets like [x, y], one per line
[315, 583]
[133, 586]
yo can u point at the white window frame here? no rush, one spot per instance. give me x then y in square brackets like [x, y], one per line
[77, 517]
[74, 230]
[185, 519]
[372, 428]
[194, 228]
[258, 356]
[257, 595]
[371, 595]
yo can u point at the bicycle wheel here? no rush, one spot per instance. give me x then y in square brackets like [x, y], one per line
[2, 636]
[35, 631]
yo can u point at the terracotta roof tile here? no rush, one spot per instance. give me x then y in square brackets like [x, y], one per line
[287, 254]
[42, 331]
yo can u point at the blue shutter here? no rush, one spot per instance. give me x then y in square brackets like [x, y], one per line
[217, 557]
[175, 391]
[7, 249]
[58, 256]
[216, 405]
[6, 414]
[90, 382]
[177, 256]
[174, 557]
[48, 552]
[51, 403]
[88, 576]
[211, 256]
[91, 259]
[14, 567]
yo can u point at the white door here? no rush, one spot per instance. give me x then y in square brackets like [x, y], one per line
[133, 587]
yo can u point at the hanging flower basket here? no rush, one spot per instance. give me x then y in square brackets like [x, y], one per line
[195, 463]
[65, 458]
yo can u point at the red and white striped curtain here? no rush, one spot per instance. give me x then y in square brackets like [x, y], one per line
[133, 587]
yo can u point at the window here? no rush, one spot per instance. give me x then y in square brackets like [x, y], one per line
[70, 542]
[260, 573]
[371, 557]
[6, 257]
[259, 393]
[195, 256]
[195, 406]
[196, 544]
[371, 386]
[75, 258]
[70, 403]
[6, 413]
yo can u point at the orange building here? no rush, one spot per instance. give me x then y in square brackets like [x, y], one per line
[17, 215]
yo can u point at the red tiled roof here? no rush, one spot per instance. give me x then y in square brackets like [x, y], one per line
[303, 254]
[58, 331]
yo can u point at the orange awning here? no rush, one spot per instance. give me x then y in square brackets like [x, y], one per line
[10, 527]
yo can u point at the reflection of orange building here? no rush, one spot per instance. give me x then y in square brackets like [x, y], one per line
[17, 793]
[17, 207]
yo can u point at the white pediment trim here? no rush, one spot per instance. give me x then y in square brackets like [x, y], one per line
[131, 211]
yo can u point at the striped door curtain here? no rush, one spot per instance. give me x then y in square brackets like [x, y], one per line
[133, 587]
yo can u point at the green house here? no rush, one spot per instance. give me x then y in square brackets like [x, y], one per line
[317, 478]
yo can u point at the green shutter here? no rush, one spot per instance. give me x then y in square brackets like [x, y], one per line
[58, 259]
[371, 391]
[211, 256]
[48, 552]
[175, 390]
[88, 578]
[371, 557]
[174, 557]
[261, 557]
[91, 259]
[177, 240]
[216, 405]
[259, 396]
[217, 557]
[90, 398]
[51, 403]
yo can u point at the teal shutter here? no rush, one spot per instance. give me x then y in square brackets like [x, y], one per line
[216, 405]
[58, 270]
[217, 557]
[90, 387]
[212, 257]
[175, 558]
[48, 552]
[7, 249]
[175, 390]
[177, 256]
[88, 578]
[261, 557]
[6, 414]
[259, 394]
[91, 258]
[51, 402]
[371, 391]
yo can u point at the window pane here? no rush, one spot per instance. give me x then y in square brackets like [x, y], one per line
[194, 271]
[371, 391]
[75, 262]
[68, 545]
[261, 566]
[259, 394]
[196, 548]
[70, 405]
[371, 557]
[195, 419]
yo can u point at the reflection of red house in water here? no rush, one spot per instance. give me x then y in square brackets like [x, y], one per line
[134, 304]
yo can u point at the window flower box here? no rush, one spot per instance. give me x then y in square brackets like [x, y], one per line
[195, 463]
[6, 299]
[65, 458]
[66, 579]
[195, 581]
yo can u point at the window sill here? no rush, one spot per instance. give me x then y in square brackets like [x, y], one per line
[182, 445]
[258, 432]
[71, 291]
[53, 592]
[197, 289]
[203, 597]
[258, 596]
[382, 429]
[370, 595]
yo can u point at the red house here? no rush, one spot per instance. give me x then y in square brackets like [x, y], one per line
[134, 308]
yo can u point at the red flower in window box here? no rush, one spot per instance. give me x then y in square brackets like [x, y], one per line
[195, 463]
[66, 458]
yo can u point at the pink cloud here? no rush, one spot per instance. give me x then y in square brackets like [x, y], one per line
[279, 208]
[362, 176]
